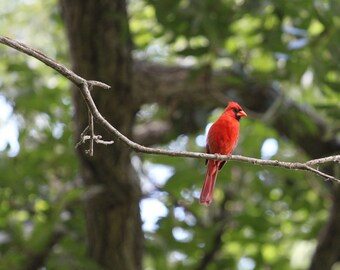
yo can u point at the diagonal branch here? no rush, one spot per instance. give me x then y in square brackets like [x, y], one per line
[85, 86]
[70, 75]
[67, 73]
[36, 259]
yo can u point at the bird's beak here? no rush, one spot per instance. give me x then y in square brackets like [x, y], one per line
[241, 114]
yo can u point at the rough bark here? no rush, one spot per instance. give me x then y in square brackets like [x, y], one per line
[100, 49]
[99, 39]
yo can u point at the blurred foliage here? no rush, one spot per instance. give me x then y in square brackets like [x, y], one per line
[270, 217]
[40, 194]
[266, 218]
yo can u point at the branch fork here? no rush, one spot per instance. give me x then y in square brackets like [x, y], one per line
[85, 87]
[92, 137]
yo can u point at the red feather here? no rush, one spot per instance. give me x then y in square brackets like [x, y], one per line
[222, 139]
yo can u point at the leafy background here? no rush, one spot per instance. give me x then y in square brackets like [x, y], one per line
[262, 218]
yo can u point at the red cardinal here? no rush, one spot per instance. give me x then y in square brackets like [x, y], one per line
[222, 140]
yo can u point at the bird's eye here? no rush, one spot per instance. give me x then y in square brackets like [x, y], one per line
[235, 110]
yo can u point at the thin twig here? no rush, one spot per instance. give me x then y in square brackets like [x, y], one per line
[50, 62]
[92, 137]
[90, 151]
[324, 160]
[85, 86]
[82, 137]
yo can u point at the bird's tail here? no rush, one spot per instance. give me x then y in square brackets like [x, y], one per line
[209, 183]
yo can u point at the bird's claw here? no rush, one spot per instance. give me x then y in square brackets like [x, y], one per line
[218, 156]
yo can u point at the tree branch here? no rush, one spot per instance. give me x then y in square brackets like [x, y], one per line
[67, 73]
[36, 259]
[86, 85]
[191, 93]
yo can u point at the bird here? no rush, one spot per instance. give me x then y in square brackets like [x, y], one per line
[221, 140]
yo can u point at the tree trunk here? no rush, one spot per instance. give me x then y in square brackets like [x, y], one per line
[100, 49]
[328, 249]
[99, 39]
